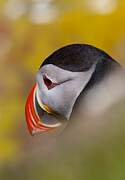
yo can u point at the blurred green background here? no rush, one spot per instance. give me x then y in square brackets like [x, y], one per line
[29, 31]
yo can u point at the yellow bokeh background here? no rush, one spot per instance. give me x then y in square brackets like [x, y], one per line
[29, 31]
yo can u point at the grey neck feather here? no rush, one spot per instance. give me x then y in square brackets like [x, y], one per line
[105, 88]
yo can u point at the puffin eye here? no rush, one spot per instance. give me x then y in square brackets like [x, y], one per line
[49, 84]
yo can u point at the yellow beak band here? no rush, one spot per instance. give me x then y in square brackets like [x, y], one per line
[44, 106]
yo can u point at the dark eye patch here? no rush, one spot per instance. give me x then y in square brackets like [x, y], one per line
[49, 83]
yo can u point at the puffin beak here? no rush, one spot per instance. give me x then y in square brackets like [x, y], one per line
[34, 122]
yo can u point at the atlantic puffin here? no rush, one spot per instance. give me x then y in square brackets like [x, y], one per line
[74, 79]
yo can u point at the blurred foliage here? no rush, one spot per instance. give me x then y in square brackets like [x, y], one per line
[29, 31]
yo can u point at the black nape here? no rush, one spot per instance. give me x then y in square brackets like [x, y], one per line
[76, 57]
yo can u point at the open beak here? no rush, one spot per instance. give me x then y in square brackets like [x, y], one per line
[34, 122]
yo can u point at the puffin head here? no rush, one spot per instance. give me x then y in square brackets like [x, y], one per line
[60, 80]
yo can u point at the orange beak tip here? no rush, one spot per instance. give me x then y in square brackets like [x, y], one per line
[28, 113]
[33, 122]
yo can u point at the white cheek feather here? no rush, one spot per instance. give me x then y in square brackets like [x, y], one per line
[62, 97]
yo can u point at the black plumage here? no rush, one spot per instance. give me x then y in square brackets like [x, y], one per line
[78, 57]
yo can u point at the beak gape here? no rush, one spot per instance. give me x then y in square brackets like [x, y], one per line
[34, 121]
